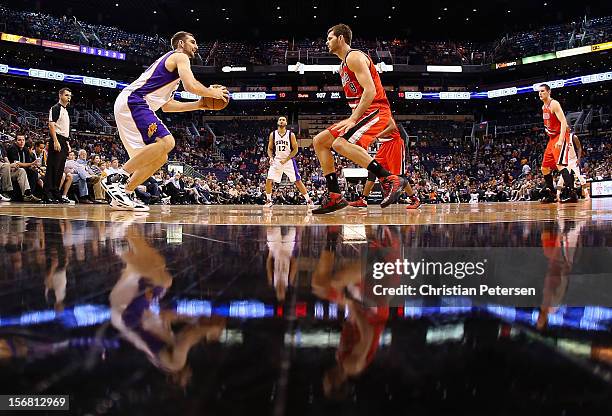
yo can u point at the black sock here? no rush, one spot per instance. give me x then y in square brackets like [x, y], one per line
[332, 182]
[549, 182]
[568, 178]
[27, 192]
[378, 170]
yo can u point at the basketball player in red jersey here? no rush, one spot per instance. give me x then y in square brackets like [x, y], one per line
[351, 137]
[392, 156]
[557, 151]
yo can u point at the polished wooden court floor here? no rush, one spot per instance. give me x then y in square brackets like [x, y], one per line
[595, 209]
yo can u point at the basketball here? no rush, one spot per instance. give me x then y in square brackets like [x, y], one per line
[213, 104]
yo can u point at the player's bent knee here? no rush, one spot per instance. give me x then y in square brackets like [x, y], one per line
[340, 145]
[168, 142]
[323, 140]
[545, 171]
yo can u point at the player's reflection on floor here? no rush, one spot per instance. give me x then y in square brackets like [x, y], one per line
[143, 282]
[561, 246]
[339, 280]
[281, 264]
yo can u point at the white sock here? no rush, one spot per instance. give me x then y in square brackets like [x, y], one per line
[269, 197]
[307, 197]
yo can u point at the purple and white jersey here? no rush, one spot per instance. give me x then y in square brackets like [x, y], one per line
[156, 85]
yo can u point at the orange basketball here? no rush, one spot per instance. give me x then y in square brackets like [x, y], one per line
[213, 104]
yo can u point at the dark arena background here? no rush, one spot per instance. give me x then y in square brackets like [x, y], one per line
[212, 289]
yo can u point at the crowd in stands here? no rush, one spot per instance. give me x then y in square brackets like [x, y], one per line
[442, 169]
[267, 52]
[553, 38]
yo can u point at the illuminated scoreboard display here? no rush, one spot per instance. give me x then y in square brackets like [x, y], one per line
[600, 189]
[310, 95]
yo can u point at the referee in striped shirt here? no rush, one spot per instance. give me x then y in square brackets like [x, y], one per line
[59, 130]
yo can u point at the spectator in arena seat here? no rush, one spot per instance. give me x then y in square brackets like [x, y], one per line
[174, 188]
[65, 188]
[8, 173]
[93, 179]
[40, 153]
[79, 177]
[95, 164]
[20, 155]
[113, 168]
[148, 192]
[526, 169]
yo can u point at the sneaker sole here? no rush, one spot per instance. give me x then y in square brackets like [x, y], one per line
[328, 210]
[120, 206]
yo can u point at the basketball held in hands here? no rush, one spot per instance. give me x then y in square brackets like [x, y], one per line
[214, 104]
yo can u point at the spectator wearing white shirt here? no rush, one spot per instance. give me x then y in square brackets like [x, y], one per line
[113, 168]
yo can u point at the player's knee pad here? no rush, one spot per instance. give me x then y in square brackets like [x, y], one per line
[371, 177]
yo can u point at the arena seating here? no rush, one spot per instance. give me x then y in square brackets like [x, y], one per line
[266, 52]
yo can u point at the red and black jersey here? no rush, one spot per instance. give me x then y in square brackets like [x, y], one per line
[353, 90]
[552, 124]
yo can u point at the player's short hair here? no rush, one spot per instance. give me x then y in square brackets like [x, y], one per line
[546, 86]
[344, 30]
[63, 90]
[285, 117]
[20, 133]
[178, 36]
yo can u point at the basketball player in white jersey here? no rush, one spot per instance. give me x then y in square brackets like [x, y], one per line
[281, 266]
[573, 160]
[282, 148]
[145, 137]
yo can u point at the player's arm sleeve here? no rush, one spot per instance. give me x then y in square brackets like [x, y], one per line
[294, 146]
[359, 64]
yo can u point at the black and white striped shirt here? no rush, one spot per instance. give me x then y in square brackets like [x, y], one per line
[60, 117]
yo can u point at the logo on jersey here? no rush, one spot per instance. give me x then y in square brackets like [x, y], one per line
[346, 79]
[152, 129]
